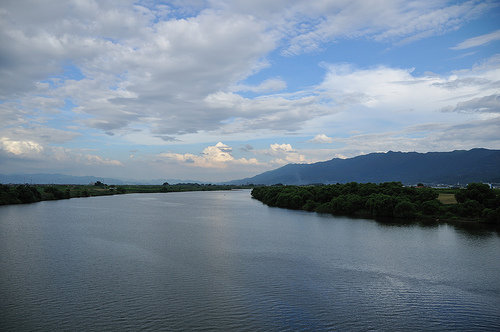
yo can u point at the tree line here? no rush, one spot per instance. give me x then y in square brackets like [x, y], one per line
[22, 194]
[391, 199]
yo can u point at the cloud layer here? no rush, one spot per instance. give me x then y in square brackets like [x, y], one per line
[82, 79]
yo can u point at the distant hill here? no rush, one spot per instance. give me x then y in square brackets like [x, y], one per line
[43, 178]
[476, 165]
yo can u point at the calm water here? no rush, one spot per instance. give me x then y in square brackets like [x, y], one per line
[204, 261]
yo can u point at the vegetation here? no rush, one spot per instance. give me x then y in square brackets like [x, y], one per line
[21, 194]
[391, 199]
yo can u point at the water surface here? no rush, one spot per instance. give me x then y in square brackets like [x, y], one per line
[201, 261]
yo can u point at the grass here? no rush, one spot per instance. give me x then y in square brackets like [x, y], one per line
[447, 198]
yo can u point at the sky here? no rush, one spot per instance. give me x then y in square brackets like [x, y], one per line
[217, 90]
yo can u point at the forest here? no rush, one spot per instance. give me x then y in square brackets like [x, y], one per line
[477, 202]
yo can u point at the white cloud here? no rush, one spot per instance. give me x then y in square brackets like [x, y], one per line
[282, 154]
[269, 85]
[132, 63]
[274, 112]
[40, 157]
[220, 156]
[487, 104]
[159, 74]
[38, 133]
[69, 156]
[393, 21]
[322, 139]
[279, 148]
[478, 41]
[144, 64]
[217, 156]
[20, 147]
[397, 95]
[426, 137]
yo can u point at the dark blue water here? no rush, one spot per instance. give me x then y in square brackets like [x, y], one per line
[212, 261]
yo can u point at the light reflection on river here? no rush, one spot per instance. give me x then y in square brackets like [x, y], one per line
[222, 261]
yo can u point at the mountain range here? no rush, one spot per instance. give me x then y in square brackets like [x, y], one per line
[44, 178]
[459, 166]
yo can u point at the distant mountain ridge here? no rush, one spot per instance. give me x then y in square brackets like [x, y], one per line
[44, 178]
[459, 166]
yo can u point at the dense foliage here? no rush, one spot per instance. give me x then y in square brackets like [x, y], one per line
[390, 199]
[22, 194]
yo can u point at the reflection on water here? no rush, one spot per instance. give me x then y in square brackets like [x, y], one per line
[475, 229]
[222, 261]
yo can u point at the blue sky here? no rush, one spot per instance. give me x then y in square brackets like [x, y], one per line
[219, 90]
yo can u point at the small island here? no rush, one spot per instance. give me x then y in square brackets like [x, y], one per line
[477, 202]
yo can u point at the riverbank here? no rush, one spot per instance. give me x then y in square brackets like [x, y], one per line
[24, 194]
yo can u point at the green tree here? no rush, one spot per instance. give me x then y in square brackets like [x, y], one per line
[54, 193]
[460, 196]
[348, 204]
[405, 209]
[381, 205]
[430, 208]
[471, 208]
[426, 194]
[479, 192]
[384, 200]
[366, 189]
[391, 188]
[26, 195]
[310, 205]
[491, 216]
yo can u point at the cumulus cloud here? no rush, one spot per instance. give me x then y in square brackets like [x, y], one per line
[385, 108]
[75, 157]
[217, 156]
[279, 148]
[220, 156]
[153, 63]
[396, 91]
[134, 67]
[20, 147]
[275, 112]
[282, 154]
[321, 139]
[39, 157]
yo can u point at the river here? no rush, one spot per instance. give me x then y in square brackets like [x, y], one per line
[221, 261]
